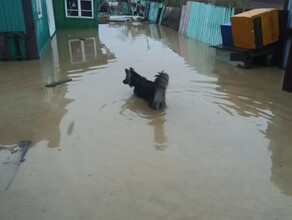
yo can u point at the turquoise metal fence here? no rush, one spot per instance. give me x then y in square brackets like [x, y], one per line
[205, 20]
[125, 8]
[146, 5]
[143, 2]
[153, 12]
[162, 11]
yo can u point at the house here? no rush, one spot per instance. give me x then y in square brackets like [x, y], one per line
[26, 27]
[76, 13]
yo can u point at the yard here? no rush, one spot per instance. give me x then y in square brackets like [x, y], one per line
[220, 150]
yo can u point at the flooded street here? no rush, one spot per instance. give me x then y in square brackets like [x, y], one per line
[220, 150]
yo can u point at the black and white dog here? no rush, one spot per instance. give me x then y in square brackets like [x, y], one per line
[153, 92]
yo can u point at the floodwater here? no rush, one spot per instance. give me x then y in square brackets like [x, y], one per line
[221, 150]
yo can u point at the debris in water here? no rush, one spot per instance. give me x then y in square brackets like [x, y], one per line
[16, 149]
[53, 84]
[10, 160]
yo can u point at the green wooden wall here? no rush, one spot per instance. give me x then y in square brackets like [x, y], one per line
[11, 16]
[63, 22]
[41, 26]
[12, 20]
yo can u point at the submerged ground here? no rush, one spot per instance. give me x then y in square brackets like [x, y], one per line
[221, 150]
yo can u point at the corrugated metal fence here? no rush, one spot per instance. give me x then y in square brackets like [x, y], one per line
[205, 20]
[153, 12]
[199, 21]
[185, 17]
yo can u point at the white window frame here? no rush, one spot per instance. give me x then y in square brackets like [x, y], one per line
[79, 10]
[82, 47]
[39, 8]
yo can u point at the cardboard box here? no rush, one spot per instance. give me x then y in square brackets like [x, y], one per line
[255, 28]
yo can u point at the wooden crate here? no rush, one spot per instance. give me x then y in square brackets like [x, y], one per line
[255, 28]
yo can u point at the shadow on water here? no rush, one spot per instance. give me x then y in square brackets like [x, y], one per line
[155, 118]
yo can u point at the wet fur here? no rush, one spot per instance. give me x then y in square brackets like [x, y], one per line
[153, 92]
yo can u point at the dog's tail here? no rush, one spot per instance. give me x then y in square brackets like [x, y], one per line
[162, 80]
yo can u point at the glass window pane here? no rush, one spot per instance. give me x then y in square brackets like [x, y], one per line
[72, 13]
[86, 13]
[72, 4]
[86, 5]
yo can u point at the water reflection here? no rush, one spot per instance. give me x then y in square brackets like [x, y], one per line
[30, 111]
[195, 53]
[252, 94]
[156, 118]
[81, 49]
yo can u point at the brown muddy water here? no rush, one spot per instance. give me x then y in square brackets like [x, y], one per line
[221, 150]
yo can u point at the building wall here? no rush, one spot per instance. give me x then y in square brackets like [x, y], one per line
[63, 22]
[41, 26]
[11, 16]
[12, 20]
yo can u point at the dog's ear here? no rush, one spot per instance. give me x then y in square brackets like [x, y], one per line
[128, 73]
[132, 69]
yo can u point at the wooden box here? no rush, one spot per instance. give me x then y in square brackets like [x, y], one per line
[255, 28]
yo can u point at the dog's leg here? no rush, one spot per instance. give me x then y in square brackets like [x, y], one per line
[136, 93]
[162, 105]
[152, 105]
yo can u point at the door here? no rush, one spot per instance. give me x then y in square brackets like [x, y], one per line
[51, 18]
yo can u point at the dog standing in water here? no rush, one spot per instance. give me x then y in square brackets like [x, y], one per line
[153, 92]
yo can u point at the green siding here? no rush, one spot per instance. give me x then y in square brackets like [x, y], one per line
[41, 26]
[63, 22]
[11, 16]
[12, 20]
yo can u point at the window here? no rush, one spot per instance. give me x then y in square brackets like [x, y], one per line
[79, 8]
[39, 8]
[83, 50]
